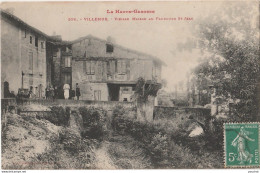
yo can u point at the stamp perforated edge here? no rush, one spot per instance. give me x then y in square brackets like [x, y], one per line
[224, 136]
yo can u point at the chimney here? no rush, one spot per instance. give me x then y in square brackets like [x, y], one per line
[111, 40]
[56, 37]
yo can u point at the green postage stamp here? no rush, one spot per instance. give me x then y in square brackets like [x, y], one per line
[241, 144]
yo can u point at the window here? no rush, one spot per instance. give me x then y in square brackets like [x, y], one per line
[97, 95]
[30, 79]
[25, 32]
[121, 67]
[89, 67]
[30, 61]
[36, 42]
[110, 48]
[30, 39]
[67, 62]
[42, 45]
[157, 71]
[67, 78]
[126, 90]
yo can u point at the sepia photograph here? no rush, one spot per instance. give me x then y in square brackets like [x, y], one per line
[119, 85]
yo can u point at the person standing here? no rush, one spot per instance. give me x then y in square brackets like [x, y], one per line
[47, 92]
[77, 91]
[51, 92]
[56, 92]
[66, 89]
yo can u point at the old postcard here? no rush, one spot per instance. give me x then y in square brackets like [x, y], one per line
[130, 85]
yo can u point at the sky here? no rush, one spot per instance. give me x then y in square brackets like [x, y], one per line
[158, 38]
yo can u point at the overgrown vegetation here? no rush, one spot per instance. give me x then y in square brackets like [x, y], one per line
[68, 151]
[144, 89]
[58, 116]
[94, 122]
[169, 148]
[74, 149]
[230, 38]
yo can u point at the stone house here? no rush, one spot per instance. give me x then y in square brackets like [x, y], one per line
[109, 72]
[23, 55]
[30, 58]
[104, 70]
[59, 57]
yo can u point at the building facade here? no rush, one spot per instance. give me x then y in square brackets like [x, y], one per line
[105, 71]
[23, 56]
[59, 55]
[109, 72]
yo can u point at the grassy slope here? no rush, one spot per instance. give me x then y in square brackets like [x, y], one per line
[23, 139]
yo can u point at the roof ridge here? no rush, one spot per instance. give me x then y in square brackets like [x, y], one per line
[117, 45]
[50, 38]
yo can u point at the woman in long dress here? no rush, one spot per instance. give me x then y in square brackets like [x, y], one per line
[240, 143]
[66, 89]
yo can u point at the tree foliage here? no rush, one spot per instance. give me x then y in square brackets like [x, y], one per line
[144, 89]
[231, 39]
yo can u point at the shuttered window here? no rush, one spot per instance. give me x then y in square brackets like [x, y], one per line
[67, 78]
[89, 67]
[97, 95]
[84, 67]
[108, 68]
[121, 67]
[30, 61]
[67, 62]
[92, 67]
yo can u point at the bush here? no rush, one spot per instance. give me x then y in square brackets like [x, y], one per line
[94, 122]
[159, 149]
[81, 151]
[71, 141]
[57, 116]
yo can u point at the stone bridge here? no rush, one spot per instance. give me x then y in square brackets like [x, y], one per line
[201, 115]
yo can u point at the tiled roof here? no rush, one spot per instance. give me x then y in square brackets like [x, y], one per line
[118, 46]
[57, 41]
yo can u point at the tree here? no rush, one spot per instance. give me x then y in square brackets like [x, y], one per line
[231, 39]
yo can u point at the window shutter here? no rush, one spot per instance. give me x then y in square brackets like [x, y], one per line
[108, 68]
[123, 67]
[92, 67]
[30, 61]
[84, 67]
[88, 67]
[119, 67]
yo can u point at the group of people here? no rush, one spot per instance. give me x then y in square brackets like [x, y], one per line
[51, 92]
[64, 92]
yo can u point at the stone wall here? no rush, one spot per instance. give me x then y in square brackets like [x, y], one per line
[61, 102]
[36, 76]
[10, 56]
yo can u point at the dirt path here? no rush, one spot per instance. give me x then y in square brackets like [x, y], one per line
[103, 160]
[121, 152]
